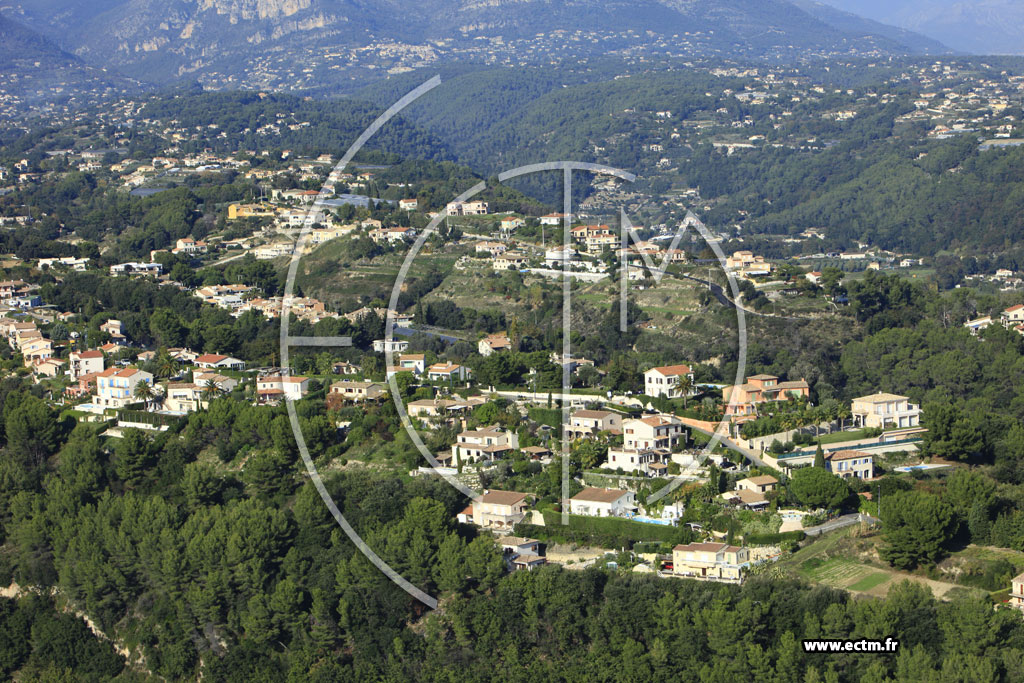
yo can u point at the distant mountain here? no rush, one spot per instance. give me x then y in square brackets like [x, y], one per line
[162, 40]
[975, 26]
[854, 24]
[34, 71]
[19, 45]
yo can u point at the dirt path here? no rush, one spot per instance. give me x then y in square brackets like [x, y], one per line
[562, 554]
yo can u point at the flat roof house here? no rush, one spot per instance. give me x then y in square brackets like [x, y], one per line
[978, 324]
[444, 372]
[413, 361]
[395, 345]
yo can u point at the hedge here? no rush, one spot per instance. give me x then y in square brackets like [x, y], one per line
[144, 417]
[619, 528]
[774, 539]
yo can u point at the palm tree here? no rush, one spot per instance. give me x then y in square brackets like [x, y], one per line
[144, 392]
[843, 414]
[166, 366]
[684, 383]
[210, 389]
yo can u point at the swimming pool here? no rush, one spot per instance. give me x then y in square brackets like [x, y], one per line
[912, 468]
[651, 520]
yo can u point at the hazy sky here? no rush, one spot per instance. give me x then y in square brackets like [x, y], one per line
[978, 26]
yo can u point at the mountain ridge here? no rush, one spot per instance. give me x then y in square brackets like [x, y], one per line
[166, 40]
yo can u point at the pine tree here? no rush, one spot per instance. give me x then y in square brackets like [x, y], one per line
[978, 523]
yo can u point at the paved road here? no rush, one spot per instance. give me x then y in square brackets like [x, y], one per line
[752, 456]
[409, 331]
[719, 293]
[840, 523]
[228, 259]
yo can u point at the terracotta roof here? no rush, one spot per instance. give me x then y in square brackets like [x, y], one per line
[673, 369]
[444, 367]
[118, 372]
[846, 455]
[95, 353]
[593, 414]
[707, 547]
[745, 496]
[599, 495]
[210, 358]
[880, 397]
[516, 540]
[763, 479]
[502, 497]
[658, 421]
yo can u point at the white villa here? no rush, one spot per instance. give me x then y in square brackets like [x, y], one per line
[885, 411]
[662, 381]
[594, 502]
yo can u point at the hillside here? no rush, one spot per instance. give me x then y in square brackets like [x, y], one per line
[855, 24]
[302, 42]
[34, 70]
